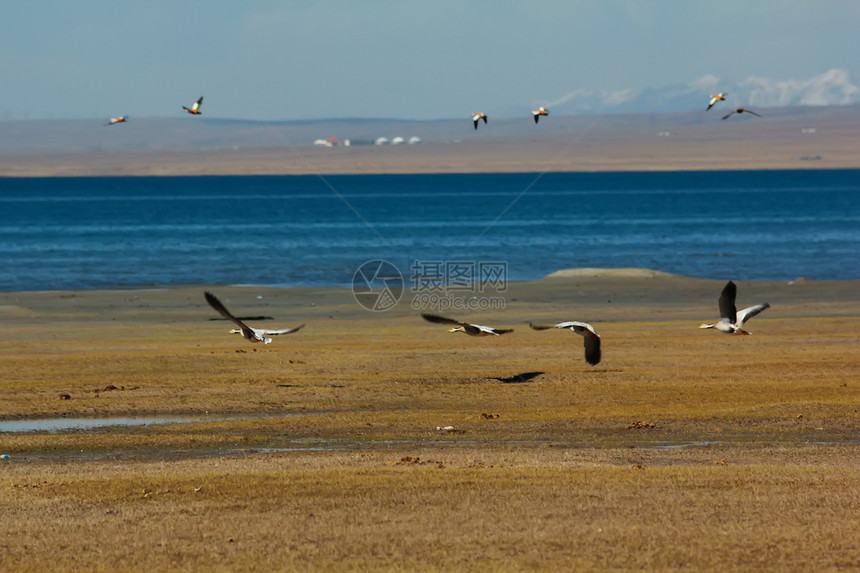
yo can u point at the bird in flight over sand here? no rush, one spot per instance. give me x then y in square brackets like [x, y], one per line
[470, 329]
[250, 334]
[540, 111]
[715, 98]
[731, 320]
[739, 111]
[590, 338]
[477, 117]
[120, 119]
[195, 109]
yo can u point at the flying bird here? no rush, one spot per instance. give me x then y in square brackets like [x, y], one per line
[591, 339]
[731, 320]
[250, 334]
[739, 111]
[715, 99]
[470, 329]
[540, 111]
[120, 119]
[477, 117]
[195, 109]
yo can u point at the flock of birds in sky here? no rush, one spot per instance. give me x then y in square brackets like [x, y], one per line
[476, 117]
[731, 322]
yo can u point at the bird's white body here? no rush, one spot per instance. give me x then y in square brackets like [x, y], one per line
[250, 334]
[195, 109]
[539, 112]
[729, 327]
[732, 320]
[481, 330]
[262, 334]
[576, 326]
[465, 327]
[714, 99]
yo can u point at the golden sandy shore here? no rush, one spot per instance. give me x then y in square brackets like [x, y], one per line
[328, 449]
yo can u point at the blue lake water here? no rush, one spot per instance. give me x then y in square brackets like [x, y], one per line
[64, 233]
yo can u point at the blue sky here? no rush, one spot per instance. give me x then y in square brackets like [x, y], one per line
[406, 59]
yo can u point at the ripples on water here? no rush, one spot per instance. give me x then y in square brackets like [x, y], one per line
[302, 230]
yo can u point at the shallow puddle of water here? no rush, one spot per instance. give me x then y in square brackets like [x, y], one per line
[307, 444]
[54, 425]
[62, 424]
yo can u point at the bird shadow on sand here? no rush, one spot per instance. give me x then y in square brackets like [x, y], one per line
[516, 378]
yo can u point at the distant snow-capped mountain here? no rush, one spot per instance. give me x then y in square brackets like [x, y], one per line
[834, 87]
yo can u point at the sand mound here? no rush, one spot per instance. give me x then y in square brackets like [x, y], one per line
[625, 273]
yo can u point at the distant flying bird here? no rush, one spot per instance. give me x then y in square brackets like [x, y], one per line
[477, 117]
[540, 111]
[590, 338]
[715, 99]
[470, 329]
[739, 111]
[195, 109]
[120, 119]
[731, 320]
[250, 334]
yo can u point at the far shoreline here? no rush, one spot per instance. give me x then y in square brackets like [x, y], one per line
[426, 159]
[786, 138]
[47, 174]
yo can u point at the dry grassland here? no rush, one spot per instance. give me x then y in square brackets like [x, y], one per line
[633, 153]
[683, 449]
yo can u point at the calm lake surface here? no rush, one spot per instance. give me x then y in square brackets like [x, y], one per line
[69, 233]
